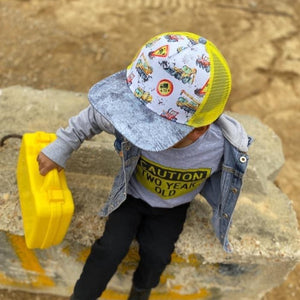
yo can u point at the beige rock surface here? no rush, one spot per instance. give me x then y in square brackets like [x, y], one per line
[72, 44]
[264, 232]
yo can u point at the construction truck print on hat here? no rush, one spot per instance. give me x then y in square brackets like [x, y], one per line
[185, 74]
[170, 76]
[143, 68]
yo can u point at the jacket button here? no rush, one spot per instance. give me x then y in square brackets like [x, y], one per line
[234, 190]
[127, 147]
[225, 216]
[243, 159]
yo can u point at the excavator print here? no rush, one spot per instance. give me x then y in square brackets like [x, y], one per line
[201, 92]
[141, 94]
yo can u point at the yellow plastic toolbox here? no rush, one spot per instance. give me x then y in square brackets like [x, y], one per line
[46, 202]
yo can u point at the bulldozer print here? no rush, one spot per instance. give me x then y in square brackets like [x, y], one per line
[185, 74]
[187, 102]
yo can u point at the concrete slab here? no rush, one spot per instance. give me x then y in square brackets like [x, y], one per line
[264, 233]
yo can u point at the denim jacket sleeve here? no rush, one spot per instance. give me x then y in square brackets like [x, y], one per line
[222, 190]
[129, 155]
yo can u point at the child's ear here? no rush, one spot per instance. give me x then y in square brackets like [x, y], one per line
[197, 132]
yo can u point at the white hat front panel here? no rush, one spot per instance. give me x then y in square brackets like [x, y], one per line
[170, 76]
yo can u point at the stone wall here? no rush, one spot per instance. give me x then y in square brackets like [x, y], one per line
[264, 233]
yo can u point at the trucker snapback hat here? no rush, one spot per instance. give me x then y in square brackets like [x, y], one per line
[177, 81]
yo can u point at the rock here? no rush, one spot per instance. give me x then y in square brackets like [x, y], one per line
[264, 233]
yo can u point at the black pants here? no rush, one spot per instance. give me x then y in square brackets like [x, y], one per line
[156, 230]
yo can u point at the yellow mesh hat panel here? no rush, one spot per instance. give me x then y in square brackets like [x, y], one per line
[182, 77]
[218, 91]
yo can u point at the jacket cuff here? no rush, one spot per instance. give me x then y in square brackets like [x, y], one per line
[58, 151]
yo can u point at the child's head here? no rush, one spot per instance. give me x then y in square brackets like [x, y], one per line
[178, 81]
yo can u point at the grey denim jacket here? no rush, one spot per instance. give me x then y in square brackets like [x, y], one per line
[221, 190]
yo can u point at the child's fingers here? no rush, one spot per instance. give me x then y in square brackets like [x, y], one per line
[46, 164]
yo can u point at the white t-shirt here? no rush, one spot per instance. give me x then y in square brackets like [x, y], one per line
[175, 176]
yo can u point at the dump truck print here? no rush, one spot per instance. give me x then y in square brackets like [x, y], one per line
[141, 94]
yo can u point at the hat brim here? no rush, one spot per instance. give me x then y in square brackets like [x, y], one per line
[113, 99]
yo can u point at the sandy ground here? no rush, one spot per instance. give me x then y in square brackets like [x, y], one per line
[71, 44]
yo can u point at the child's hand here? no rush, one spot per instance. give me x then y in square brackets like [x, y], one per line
[46, 164]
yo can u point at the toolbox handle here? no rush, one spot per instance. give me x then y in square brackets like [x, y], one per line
[51, 181]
